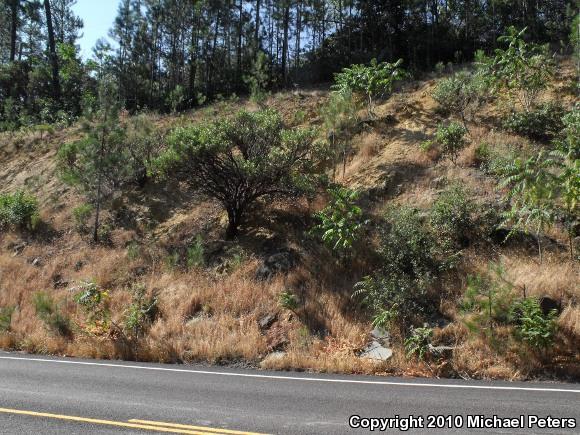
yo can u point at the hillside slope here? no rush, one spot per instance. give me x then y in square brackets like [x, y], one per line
[220, 312]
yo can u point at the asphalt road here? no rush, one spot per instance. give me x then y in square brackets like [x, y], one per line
[43, 395]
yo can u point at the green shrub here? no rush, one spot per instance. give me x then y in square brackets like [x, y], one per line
[341, 223]
[407, 252]
[457, 94]
[288, 300]
[49, 312]
[18, 210]
[133, 250]
[142, 311]
[371, 81]
[482, 155]
[543, 123]
[451, 139]
[488, 300]
[5, 318]
[95, 303]
[532, 325]
[451, 218]
[418, 343]
[195, 253]
[81, 215]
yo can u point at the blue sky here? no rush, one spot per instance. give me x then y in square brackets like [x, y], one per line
[98, 16]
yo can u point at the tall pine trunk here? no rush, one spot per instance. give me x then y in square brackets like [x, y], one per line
[52, 52]
[285, 43]
[14, 5]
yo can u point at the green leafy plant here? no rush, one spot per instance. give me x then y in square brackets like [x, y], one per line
[94, 301]
[533, 327]
[451, 139]
[5, 318]
[18, 210]
[409, 263]
[488, 300]
[50, 313]
[340, 223]
[458, 94]
[522, 70]
[542, 123]
[451, 218]
[142, 311]
[81, 215]
[530, 185]
[195, 253]
[384, 318]
[417, 345]
[288, 301]
[371, 81]
[238, 161]
[340, 116]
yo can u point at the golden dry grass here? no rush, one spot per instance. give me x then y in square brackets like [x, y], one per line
[210, 314]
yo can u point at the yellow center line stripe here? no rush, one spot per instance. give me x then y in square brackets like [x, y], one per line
[186, 426]
[104, 422]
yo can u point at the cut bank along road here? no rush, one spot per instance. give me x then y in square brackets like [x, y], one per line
[42, 395]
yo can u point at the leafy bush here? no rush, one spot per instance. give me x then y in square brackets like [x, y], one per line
[488, 300]
[533, 326]
[239, 160]
[18, 210]
[482, 155]
[521, 70]
[95, 303]
[418, 343]
[408, 267]
[451, 140]
[451, 218]
[457, 94]
[142, 311]
[371, 81]
[5, 318]
[195, 253]
[340, 223]
[288, 300]
[49, 312]
[542, 123]
[81, 215]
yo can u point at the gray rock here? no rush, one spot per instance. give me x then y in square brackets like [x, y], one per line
[36, 262]
[273, 356]
[376, 351]
[281, 262]
[267, 321]
[381, 335]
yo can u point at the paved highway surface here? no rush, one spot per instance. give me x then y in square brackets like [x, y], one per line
[43, 395]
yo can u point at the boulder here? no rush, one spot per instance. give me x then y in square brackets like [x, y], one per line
[381, 335]
[281, 262]
[266, 321]
[376, 351]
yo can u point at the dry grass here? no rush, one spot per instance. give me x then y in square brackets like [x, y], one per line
[212, 314]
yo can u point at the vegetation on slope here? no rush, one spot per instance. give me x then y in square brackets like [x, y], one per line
[448, 227]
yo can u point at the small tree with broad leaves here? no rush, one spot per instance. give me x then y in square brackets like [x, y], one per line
[370, 81]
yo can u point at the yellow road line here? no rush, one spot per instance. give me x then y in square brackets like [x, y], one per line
[107, 422]
[186, 426]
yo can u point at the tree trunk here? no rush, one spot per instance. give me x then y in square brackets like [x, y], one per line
[234, 221]
[285, 43]
[257, 32]
[14, 5]
[52, 52]
[239, 48]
